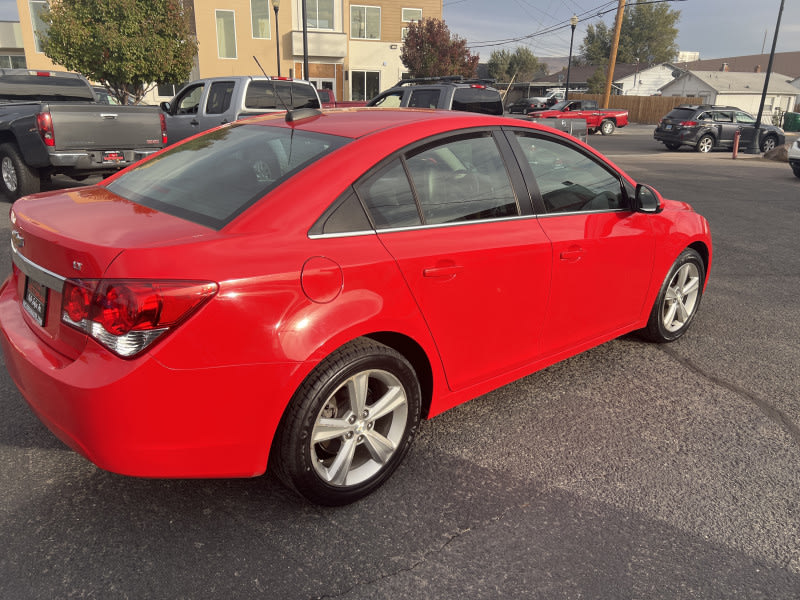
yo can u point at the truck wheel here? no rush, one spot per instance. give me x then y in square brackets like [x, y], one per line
[16, 178]
[607, 127]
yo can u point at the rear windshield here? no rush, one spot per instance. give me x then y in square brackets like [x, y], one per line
[480, 100]
[681, 114]
[17, 87]
[262, 95]
[213, 178]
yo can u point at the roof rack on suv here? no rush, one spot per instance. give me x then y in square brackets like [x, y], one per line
[444, 79]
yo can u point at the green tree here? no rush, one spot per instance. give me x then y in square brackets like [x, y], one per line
[430, 50]
[126, 45]
[648, 33]
[497, 65]
[520, 65]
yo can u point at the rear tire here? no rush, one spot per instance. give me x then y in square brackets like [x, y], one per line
[678, 299]
[607, 127]
[796, 170]
[705, 144]
[349, 425]
[16, 178]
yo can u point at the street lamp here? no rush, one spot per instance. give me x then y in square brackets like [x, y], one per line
[276, 4]
[573, 22]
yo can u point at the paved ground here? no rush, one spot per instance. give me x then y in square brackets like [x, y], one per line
[633, 471]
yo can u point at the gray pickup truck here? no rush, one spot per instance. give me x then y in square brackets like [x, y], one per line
[207, 103]
[50, 123]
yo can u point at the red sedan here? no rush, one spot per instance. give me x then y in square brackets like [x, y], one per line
[301, 291]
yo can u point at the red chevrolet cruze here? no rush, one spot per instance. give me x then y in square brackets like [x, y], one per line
[302, 290]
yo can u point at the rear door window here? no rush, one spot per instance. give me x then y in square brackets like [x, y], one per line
[279, 95]
[219, 97]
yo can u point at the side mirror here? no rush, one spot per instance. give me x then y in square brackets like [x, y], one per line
[165, 106]
[648, 200]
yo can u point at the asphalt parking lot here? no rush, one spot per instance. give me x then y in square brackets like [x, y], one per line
[633, 471]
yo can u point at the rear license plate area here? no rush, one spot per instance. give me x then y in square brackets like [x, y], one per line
[113, 156]
[667, 127]
[35, 300]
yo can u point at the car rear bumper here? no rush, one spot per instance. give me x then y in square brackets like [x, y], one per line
[139, 417]
[675, 136]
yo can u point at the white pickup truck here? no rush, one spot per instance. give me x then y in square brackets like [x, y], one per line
[207, 103]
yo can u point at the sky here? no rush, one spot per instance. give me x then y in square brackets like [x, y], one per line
[714, 28]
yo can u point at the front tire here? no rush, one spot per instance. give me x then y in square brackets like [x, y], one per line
[705, 144]
[796, 170]
[768, 143]
[607, 127]
[16, 178]
[349, 425]
[678, 299]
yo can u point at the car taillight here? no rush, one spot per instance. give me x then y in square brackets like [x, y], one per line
[44, 123]
[163, 129]
[688, 123]
[127, 316]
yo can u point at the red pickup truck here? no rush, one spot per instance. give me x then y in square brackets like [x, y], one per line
[604, 120]
[328, 100]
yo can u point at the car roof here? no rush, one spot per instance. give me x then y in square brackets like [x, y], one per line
[361, 121]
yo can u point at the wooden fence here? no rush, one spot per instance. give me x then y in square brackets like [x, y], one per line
[647, 110]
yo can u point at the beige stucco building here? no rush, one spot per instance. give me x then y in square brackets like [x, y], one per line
[353, 48]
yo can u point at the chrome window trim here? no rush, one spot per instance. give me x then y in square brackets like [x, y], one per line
[321, 236]
[583, 212]
[34, 271]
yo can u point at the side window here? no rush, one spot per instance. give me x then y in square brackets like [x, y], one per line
[219, 97]
[723, 117]
[388, 198]
[743, 117]
[424, 98]
[704, 117]
[568, 180]
[478, 100]
[462, 179]
[390, 100]
[189, 100]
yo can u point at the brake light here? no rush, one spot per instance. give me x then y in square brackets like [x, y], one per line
[44, 123]
[688, 123]
[478, 86]
[127, 316]
[163, 129]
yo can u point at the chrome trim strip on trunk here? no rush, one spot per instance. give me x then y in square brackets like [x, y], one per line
[34, 271]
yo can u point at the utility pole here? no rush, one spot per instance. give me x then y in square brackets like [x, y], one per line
[612, 60]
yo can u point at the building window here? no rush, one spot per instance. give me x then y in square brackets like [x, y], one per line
[12, 61]
[365, 22]
[412, 15]
[320, 14]
[365, 84]
[259, 15]
[226, 34]
[39, 27]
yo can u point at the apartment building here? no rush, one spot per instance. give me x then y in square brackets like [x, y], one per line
[352, 48]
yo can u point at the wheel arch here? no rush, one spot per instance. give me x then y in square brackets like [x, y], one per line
[416, 355]
[705, 255]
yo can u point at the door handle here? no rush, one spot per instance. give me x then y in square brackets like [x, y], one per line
[444, 272]
[573, 254]
[194, 122]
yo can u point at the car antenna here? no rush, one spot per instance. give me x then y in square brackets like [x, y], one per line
[291, 115]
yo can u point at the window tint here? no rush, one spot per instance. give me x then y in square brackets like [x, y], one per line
[478, 100]
[462, 180]
[743, 117]
[568, 180]
[424, 98]
[212, 179]
[388, 198]
[261, 94]
[681, 114]
[219, 97]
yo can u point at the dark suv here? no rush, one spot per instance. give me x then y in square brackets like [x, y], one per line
[449, 93]
[705, 127]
